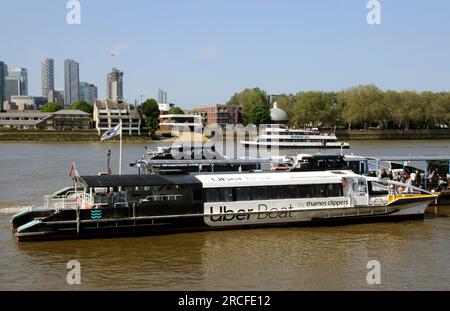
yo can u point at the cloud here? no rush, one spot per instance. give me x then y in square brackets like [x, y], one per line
[208, 52]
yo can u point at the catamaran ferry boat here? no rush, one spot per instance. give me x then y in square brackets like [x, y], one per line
[279, 137]
[175, 201]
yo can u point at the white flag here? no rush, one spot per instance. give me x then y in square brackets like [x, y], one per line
[111, 132]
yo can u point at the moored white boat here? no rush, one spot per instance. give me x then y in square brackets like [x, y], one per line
[279, 137]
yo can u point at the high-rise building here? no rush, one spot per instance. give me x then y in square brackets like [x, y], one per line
[47, 76]
[12, 87]
[55, 96]
[71, 82]
[162, 96]
[88, 92]
[22, 75]
[2, 83]
[114, 85]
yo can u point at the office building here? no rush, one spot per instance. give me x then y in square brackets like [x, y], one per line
[220, 114]
[71, 82]
[24, 102]
[162, 96]
[2, 83]
[47, 76]
[55, 96]
[69, 119]
[88, 92]
[108, 113]
[11, 88]
[59, 120]
[22, 75]
[180, 122]
[114, 85]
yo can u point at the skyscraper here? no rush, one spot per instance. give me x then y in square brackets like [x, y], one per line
[114, 85]
[12, 87]
[88, 92]
[71, 82]
[55, 96]
[162, 96]
[22, 75]
[2, 83]
[47, 76]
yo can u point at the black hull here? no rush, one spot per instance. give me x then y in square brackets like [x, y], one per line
[192, 224]
[24, 218]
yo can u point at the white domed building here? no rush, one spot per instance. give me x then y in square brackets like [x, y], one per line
[278, 116]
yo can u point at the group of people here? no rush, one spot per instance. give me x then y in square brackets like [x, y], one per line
[416, 178]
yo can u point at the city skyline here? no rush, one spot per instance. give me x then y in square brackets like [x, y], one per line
[208, 51]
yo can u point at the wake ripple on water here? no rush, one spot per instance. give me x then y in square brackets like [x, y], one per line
[13, 208]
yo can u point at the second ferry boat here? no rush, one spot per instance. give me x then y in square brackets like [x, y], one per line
[283, 137]
[175, 201]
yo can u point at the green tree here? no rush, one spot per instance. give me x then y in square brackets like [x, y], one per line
[51, 107]
[83, 106]
[314, 109]
[255, 105]
[150, 112]
[361, 105]
[409, 103]
[176, 110]
[394, 114]
[259, 114]
[440, 110]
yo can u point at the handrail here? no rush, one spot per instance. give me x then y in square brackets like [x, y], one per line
[162, 197]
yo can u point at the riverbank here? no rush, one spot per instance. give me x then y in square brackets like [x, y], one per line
[392, 134]
[69, 136]
[92, 136]
[87, 136]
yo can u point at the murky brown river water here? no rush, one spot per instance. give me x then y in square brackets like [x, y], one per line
[413, 254]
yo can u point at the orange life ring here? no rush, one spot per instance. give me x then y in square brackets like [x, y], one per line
[87, 206]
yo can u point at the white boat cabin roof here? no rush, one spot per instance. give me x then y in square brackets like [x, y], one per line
[273, 179]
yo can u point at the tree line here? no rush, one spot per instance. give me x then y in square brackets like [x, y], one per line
[360, 107]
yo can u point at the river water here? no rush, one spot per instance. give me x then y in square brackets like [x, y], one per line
[413, 255]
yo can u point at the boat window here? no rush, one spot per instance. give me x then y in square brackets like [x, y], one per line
[219, 195]
[243, 194]
[321, 191]
[307, 191]
[227, 194]
[261, 193]
[288, 192]
[272, 192]
[213, 195]
[334, 190]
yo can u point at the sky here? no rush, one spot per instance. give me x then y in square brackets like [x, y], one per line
[202, 52]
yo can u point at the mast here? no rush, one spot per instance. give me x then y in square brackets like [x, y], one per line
[120, 149]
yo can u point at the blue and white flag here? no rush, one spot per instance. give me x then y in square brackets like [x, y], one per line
[111, 132]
